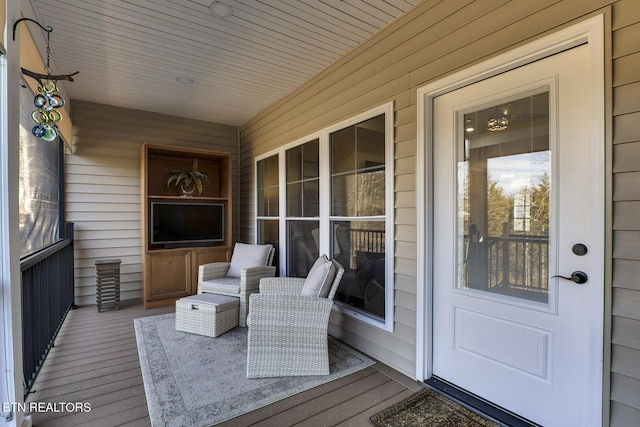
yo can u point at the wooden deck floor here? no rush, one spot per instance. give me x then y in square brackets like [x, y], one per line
[95, 360]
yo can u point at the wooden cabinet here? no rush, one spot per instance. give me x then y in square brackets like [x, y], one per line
[180, 233]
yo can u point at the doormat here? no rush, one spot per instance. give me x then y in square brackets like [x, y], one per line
[429, 408]
[193, 380]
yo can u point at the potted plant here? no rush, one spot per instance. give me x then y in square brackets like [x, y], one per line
[188, 180]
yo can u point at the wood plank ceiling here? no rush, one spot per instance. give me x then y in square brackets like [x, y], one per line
[178, 57]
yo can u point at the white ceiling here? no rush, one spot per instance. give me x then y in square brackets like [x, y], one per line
[132, 53]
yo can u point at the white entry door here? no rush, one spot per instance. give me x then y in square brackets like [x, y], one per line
[518, 199]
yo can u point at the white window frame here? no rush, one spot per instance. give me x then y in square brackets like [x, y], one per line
[278, 218]
[283, 195]
[325, 217]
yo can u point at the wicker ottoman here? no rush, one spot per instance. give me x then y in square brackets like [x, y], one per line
[207, 314]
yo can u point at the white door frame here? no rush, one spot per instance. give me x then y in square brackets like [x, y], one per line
[590, 31]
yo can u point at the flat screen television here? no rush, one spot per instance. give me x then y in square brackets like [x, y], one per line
[180, 224]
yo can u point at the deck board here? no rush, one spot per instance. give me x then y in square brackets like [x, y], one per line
[95, 360]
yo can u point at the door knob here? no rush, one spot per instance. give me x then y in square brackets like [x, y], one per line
[578, 277]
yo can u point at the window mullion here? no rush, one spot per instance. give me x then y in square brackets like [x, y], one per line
[325, 194]
[282, 198]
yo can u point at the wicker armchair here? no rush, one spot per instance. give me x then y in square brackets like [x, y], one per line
[288, 331]
[212, 278]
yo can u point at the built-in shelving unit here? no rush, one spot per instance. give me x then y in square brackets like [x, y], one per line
[170, 269]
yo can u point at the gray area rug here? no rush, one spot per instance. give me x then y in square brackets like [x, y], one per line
[192, 380]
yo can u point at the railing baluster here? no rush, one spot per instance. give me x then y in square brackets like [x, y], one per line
[47, 296]
[520, 259]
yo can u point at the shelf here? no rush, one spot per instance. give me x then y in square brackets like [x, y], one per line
[172, 273]
[162, 160]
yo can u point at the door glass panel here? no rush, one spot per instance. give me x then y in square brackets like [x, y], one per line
[504, 182]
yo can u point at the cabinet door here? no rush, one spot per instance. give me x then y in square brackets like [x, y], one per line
[205, 256]
[167, 277]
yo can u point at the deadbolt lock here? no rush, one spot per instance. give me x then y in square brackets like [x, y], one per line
[579, 249]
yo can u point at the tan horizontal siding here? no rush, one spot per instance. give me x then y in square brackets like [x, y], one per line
[626, 332]
[623, 415]
[625, 345]
[625, 390]
[406, 149]
[624, 126]
[405, 112]
[515, 23]
[625, 245]
[626, 41]
[626, 361]
[624, 69]
[133, 259]
[406, 216]
[626, 273]
[405, 182]
[626, 186]
[625, 13]
[385, 345]
[624, 157]
[405, 199]
[102, 184]
[625, 215]
[405, 165]
[406, 233]
[626, 303]
[405, 282]
[624, 99]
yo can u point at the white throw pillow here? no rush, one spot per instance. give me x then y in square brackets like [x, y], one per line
[245, 256]
[320, 277]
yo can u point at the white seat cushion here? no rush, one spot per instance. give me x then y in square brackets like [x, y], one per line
[320, 277]
[245, 256]
[228, 285]
[223, 302]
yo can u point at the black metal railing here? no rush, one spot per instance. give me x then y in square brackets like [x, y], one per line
[519, 261]
[372, 241]
[363, 241]
[510, 261]
[47, 297]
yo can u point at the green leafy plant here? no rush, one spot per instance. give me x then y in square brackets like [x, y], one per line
[187, 179]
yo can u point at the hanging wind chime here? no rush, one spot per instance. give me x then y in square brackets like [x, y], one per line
[47, 101]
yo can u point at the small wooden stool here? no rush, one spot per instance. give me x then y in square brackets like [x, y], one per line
[108, 283]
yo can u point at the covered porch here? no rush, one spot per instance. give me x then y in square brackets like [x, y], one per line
[95, 360]
[95, 353]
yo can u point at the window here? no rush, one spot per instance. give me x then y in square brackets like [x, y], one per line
[358, 213]
[40, 183]
[337, 200]
[268, 189]
[303, 207]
